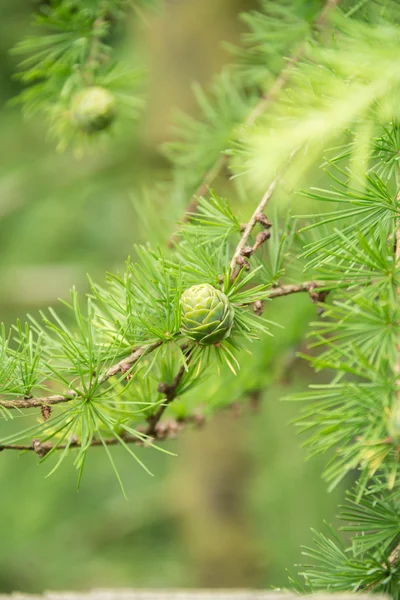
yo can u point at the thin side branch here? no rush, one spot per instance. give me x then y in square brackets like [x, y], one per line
[258, 214]
[97, 30]
[162, 431]
[262, 105]
[170, 391]
[294, 288]
[123, 366]
[170, 395]
[394, 556]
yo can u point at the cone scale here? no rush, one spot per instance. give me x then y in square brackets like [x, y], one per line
[206, 314]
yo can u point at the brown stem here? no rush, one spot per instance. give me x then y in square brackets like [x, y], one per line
[262, 105]
[258, 211]
[170, 391]
[394, 556]
[294, 288]
[124, 365]
[121, 367]
[156, 430]
[160, 433]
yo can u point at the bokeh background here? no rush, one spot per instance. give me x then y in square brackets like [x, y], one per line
[235, 505]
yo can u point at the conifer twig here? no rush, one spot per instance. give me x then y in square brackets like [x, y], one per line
[258, 214]
[170, 391]
[160, 433]
[394, 556]
[397, 265]
[121, 367]
[124, 365]
[262, 105]
[294, 288]
[156, 430]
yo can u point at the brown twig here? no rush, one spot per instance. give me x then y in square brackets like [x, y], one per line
[161, 432]
[293, 288]
[156, 430]
[262, 105]
[170, 391]
[123, 366]
[257, 216]
[396, 408]
[314, 288]
[394, 556]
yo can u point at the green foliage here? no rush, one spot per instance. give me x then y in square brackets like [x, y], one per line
[368, 563]
[200, 142]
[71, 52]
[176, 317]
[141, 307]
[274, 31]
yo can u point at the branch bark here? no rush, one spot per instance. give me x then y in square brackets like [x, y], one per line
[123, 366]
[294, 288]
[160, 432]
[170, 391]
[258, 213]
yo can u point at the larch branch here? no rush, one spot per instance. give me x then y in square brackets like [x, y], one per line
[262, 105]
[170, 391]
[161, 432]
[258, 213]
[295, 288]
[123, 366]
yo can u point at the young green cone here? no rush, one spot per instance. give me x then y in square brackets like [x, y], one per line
[93, 109]
[207, 314]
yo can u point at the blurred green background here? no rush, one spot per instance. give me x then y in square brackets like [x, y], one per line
[233, 508]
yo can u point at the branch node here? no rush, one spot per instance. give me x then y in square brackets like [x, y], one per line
[40, 449]
[163, 387]
[263, 220]
[258, 307]
[46, 412]
[243, 263]
[247, 251]
[261, 237]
